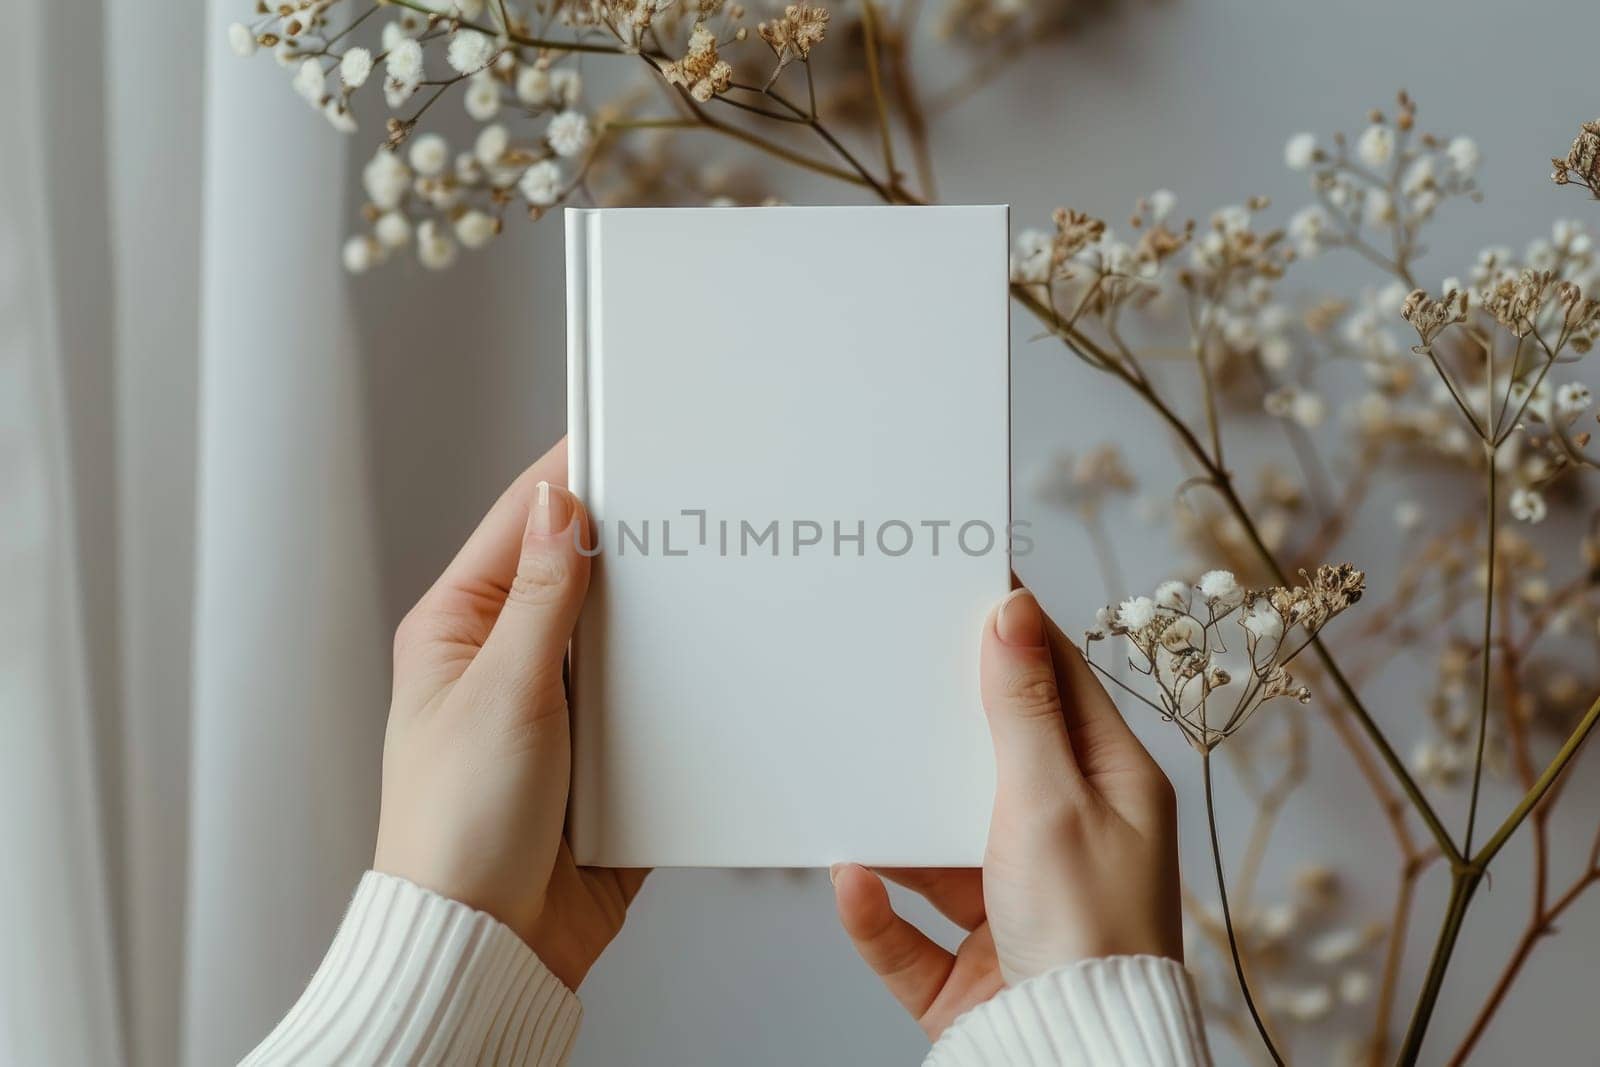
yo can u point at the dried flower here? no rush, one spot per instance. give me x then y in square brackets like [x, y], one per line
[1582, 165]
[1430, 317]
[701, 71]
[795, 34]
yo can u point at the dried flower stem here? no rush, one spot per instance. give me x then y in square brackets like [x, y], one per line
[515, 38]
[1492, 519]
[1467, 875]
[1539, 927]
[869, 30]
[1227, 915]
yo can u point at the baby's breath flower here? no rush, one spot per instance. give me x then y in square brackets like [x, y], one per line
[1354, 988]
[310, 82]
[1262, 621]
[491, 145]
[402, 71]
[540, 184]
[1174, 595]
[385, 179]
[355, 67]
[1376, 145]
[1528, 505]
[568, 133]
[241, 40]
[533, 85]
[1300, 152]
[393, 230]
[435, 249]
[1573, 399]
[469, 51]
[1161, 202]
[1136, 613]
[482, 98]
[1378, 209]
[360, 253]
[429, 154]
[1220, 589]
[1307, 229]
[1464, 156]
[1183, 633]
[474, 228]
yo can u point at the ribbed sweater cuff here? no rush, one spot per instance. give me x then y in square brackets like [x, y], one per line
[415, 978]
[1120, 1011]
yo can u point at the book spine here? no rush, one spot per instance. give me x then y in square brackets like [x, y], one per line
[581, 225]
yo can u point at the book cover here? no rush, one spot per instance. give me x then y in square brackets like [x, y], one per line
[791, 428]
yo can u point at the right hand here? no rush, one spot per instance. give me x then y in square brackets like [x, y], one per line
[1082, 859]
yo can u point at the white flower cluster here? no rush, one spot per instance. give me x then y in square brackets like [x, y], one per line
[421, 193]
[1391, 179]
[1179, 637]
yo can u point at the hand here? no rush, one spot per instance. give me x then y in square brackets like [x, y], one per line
[1082, 859]
[477, 757]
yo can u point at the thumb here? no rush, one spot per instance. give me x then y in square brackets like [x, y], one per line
[527, 646]
[1022, 696]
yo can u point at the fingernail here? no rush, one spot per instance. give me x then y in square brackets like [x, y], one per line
[1020, 623]
[552, 510]
[833, 873]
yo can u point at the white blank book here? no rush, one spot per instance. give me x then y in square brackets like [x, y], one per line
[791, 427]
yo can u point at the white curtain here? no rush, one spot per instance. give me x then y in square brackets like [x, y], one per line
[193, 666]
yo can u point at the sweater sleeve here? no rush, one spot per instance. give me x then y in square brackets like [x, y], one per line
[1121, 1011]
[415, 978]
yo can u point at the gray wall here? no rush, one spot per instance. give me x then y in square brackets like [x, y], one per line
[725, 968]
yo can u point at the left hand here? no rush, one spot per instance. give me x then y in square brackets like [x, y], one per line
[477, 757]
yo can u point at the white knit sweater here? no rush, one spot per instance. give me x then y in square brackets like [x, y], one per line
[414, 978]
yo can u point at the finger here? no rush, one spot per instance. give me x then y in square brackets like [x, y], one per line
[489, 557]
[1105, 746]
[442, 633]
[911, 966]
[526, 648]
[957, 892]
[1023, 701]
[630, 880]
